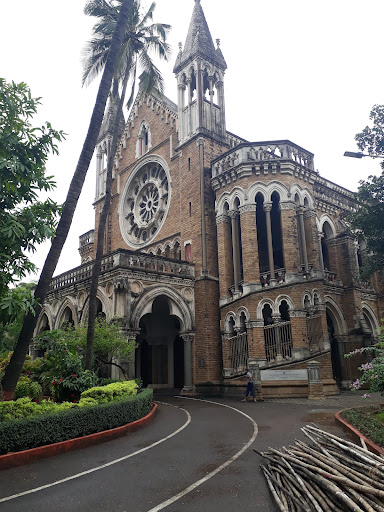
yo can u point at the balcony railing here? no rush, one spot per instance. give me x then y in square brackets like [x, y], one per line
[251, 153]
[279, 276]
[127, 260]
[238, 354]
[278, 342]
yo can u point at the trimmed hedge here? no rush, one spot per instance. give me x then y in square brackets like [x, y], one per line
[17, 435]
[111, 392]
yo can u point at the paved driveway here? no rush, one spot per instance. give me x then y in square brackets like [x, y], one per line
[197, 455]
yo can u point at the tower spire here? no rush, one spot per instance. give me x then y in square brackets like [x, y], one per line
[199, 42]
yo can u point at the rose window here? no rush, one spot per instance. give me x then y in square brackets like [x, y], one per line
[144, 204]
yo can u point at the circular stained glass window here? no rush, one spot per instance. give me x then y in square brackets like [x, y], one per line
[144, 203]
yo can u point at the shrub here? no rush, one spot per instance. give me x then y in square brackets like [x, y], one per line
[68, 424]
[22, 387]
[25, 387]
[114, 391]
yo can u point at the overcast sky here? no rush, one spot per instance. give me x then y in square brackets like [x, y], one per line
[304, 70]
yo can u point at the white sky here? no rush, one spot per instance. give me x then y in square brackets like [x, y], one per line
[304, 70]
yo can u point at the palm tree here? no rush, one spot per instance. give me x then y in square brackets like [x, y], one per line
[14, 368]
[140, 39]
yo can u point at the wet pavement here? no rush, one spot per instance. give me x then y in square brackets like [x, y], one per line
[196, 455]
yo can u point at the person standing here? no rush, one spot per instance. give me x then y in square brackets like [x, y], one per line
[250, 387]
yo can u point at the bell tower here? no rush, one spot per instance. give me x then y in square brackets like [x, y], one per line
[200, 69]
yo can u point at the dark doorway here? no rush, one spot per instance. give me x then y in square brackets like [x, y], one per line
[335, 352]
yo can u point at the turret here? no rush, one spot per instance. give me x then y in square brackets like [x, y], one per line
[199, 69]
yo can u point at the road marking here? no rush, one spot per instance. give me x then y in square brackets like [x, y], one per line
[98, 468]
[217, 470]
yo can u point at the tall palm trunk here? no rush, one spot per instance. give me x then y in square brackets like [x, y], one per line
[116, 136]
[14, 368]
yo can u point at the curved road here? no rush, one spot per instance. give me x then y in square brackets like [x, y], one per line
[186, 459]
[190, 446]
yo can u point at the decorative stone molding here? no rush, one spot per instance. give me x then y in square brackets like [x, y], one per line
[309, 214]
[297, 313]
[287, 205]
[247, 208]
[223, 219]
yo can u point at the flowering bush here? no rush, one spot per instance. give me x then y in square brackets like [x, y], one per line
[373, 371]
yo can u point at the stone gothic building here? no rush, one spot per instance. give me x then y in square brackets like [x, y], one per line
[220, 252]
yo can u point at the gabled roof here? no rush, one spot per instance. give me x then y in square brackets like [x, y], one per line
[107, 125]
[199, 42]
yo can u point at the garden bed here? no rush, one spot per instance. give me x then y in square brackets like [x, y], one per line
[35, 431]
[367, 420]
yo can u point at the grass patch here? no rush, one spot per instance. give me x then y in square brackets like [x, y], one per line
[369, 421]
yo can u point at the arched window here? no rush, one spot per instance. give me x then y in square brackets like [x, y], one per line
[284, 311]
[267, 315]
[327, 232]
[261, 233]
[277, 239]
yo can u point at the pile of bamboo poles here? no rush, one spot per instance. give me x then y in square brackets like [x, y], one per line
[329, 474]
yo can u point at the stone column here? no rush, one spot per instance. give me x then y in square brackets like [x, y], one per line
[224, 244]
[98, 172]
[188, 383]
[189, 113]
[212, 126]
[315, 386]
[250, 248]
[267, 209]
[181, 92]
[303, 243]
[220, 89]
[234, 215]
[320, 236]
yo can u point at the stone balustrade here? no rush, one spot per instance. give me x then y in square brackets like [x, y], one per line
[128, 260]
[262, 152]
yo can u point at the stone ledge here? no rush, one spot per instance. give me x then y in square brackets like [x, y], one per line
[11, 460]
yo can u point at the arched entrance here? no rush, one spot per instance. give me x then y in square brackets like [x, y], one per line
[160, 351]
[335, 349]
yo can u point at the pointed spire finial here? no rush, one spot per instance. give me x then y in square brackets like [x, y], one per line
[180, 47]
[218, 43]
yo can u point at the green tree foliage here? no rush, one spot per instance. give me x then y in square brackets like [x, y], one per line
[15, 366]
[25, 220]
[367, 223]
[13, 306]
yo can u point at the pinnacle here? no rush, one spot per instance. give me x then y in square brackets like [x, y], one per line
[199, 42]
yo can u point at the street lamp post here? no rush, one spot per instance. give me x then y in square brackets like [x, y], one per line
[360, 155]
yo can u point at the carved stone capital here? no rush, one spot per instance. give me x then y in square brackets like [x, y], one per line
[223, 219]
[187, 337]
[267, 207]
[181, 87]
[233, 214]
